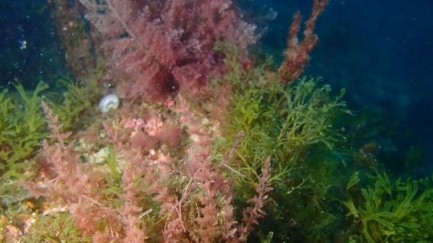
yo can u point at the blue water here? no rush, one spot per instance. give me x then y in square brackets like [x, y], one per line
[381, 52]
[29, 48]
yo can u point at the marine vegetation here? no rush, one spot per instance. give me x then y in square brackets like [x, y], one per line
[388, 210]
[208, 144]
[272, 172]
[22, 127]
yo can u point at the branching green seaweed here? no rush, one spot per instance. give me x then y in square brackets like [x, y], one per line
[76, 100]
[55, 227]
[390, 210]
[22, 128]
[278, 120]
[292, 124]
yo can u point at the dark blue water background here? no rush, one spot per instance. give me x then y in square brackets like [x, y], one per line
[29, 47]
[381, 52]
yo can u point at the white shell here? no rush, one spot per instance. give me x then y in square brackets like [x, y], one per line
[108, 102]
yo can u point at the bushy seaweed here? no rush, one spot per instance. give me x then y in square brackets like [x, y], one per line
[390, 210]
[295, 126]
[22, 128]
[76, 101]
[23, 125]
[54, 227]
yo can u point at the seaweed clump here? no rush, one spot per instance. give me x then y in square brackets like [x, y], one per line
[22, 128]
